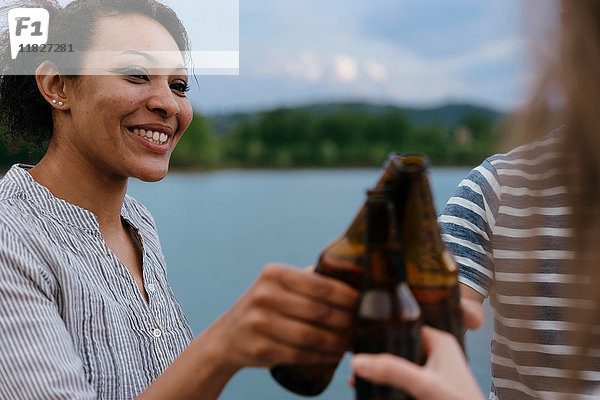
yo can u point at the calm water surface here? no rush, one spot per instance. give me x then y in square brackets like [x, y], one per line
[218, 229]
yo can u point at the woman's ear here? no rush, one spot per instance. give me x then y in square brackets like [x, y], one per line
[51, 85]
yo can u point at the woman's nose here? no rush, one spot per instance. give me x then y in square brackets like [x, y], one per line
[163, 100]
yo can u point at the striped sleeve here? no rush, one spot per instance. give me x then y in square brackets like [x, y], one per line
[37, 356]
[467, 222]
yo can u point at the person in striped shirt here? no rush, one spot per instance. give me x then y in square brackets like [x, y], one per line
[509, 226]
[524, 227]
[86, 311]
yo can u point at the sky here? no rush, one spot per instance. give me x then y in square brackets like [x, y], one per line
[404, 52]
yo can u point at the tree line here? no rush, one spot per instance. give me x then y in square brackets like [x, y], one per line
[335, 137]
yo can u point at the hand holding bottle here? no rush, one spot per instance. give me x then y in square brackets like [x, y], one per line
[446, 372]
[287, 316]
[445, 376]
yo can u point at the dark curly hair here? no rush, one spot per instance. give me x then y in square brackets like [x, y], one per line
[24, 113]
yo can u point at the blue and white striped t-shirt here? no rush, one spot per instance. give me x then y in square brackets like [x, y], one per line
[508, 226]
[73, 322]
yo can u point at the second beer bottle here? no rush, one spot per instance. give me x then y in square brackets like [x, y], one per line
[341, 259]
[388, 318]
[430, 268]
[431, 271]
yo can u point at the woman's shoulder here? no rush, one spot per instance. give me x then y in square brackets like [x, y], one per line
[9, 187]
[19, 225]
[11, 208]
[17, 236]
[16, 212]
[10, 216]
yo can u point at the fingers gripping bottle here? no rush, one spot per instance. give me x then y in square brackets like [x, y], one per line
[388, 319]
[430, 268]
[341, 259]
[431, 271]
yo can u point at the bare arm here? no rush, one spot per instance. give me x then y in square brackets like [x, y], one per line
[286, 316]
[471, 301]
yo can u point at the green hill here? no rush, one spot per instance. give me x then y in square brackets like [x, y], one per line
[447, 115]
[328, 135]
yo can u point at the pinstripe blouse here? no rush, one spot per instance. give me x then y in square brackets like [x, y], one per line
[73, 322]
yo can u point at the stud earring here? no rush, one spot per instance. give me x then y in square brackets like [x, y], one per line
[53, 101]
[60, 103]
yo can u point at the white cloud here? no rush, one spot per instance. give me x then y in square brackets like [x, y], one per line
[345, 68]
[333, 59]
[306, 66]
[359, 67]
[361, 71]
[376, 71]
[490, 52]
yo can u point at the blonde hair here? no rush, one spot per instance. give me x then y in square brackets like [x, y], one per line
[567, 92]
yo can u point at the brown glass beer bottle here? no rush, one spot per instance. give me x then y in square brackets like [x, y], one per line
[341, 259]
[431, 270]
[388, 319]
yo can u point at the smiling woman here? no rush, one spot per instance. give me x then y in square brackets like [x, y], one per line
[86, 310]
[114, 96]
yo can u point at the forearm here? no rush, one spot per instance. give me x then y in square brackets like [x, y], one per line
[471, 304]
[199, 372]
[287, 316]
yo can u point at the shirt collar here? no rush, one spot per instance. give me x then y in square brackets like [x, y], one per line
[45, 201]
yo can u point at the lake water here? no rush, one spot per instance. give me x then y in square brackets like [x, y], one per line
[218, 229]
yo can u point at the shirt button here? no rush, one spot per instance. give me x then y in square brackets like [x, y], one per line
[156, 332]
[150, 287]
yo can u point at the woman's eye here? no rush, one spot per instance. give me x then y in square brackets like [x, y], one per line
[140, 76]
[136, 73]
[180, 87]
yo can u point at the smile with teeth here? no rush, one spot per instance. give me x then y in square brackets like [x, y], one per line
[154, 137]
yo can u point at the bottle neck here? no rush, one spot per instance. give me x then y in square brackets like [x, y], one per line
[418, 223]
[356, 229]
[427, 261]
[383, 258]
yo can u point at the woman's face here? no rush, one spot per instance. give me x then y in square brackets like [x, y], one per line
[128, 108]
